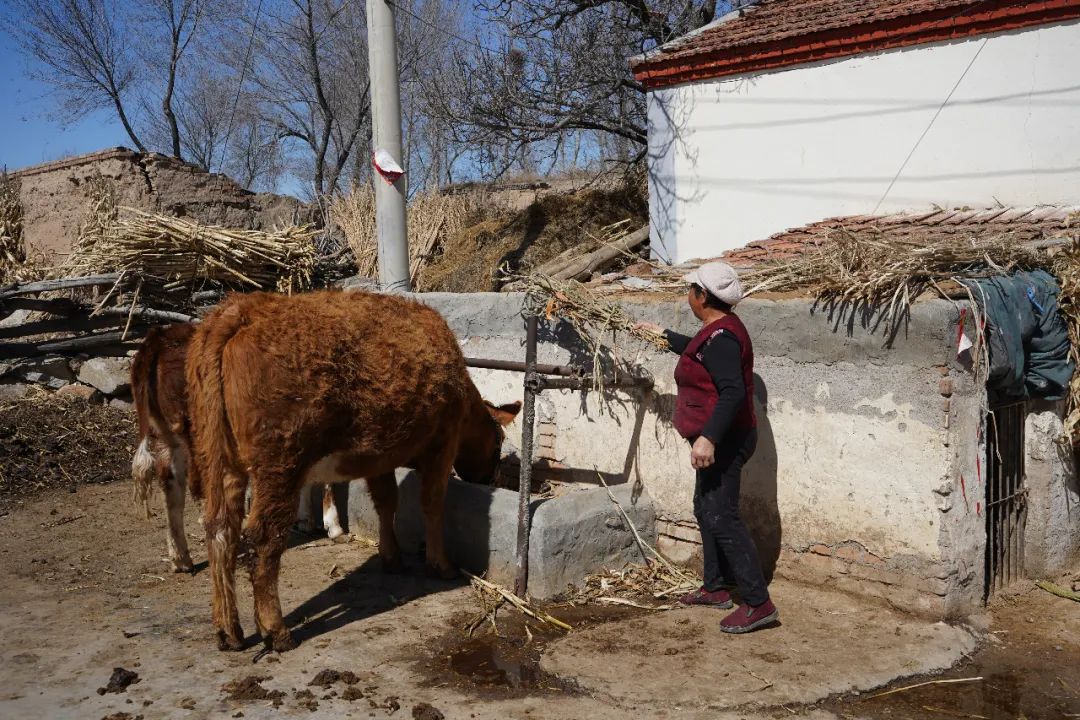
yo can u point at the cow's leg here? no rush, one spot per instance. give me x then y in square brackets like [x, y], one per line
[265, 537]
[434, 474]
[331, 521]
[222, 539]
[175, 486]
[384, 493]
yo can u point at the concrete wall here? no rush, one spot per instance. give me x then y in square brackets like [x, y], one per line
[55, 200]
[1052, 537]
[868, 473]
[741, 158]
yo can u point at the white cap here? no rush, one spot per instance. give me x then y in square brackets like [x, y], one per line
[720, 279]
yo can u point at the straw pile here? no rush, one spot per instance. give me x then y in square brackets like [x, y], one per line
[885, 275]
[650, 586]
[169, 254]
[432, 217]
[592, 318]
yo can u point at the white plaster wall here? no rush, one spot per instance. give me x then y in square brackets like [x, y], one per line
[860, 467]
[736, 160]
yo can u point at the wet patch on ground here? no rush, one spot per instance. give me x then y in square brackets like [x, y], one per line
[504, 661]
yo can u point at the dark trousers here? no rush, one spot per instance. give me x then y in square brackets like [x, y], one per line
[731, 559]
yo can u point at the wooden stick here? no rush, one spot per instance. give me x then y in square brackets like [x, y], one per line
[1058, 590]
[71, 346]
[517, 602]
[599, 259]
[646, 549]
[924, 684]
[62, 284]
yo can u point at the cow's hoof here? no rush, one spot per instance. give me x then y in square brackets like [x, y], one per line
[393, 566]
[281, 642]
[229, 644]
[183, 566]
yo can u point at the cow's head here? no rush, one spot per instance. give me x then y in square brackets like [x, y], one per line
[481, 443]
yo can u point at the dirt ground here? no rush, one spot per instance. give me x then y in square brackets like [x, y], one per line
[79, 601]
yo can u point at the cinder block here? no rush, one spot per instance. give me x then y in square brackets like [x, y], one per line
[572, 535]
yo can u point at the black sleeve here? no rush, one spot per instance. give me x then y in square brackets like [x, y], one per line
[723, 359]
[677, 342]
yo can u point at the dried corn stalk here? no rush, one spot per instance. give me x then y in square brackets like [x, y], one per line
[169, 254]
[591, 317]
[12, 248]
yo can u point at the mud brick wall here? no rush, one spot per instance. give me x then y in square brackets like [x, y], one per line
[55, 199]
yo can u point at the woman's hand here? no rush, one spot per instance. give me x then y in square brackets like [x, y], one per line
[703, 453]
[649, 327]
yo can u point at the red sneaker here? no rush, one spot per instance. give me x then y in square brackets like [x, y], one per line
[715, 598]
[748, 618]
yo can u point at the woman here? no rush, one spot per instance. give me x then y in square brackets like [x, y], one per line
[715, 412]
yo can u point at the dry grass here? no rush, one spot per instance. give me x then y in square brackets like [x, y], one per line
[501, 244]
[432, 217]
[1066, 266]
[15, 265]
[169, 255]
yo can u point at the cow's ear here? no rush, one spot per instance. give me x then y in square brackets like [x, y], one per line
[505, 414]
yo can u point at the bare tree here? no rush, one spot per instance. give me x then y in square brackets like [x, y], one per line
[84, 53]
[553, 71]
[179, 21]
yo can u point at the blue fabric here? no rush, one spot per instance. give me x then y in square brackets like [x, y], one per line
[1026, 334]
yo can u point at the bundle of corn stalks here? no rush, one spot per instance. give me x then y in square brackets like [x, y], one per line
[102, 211]
[883, 276]
[591, 317]
[1066, 267]
[169, 254]
[432, 217]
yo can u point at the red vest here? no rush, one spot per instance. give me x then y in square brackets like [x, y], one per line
[697, 394]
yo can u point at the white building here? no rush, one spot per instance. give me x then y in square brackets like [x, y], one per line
[790, 111]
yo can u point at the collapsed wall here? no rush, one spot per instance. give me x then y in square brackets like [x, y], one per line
[869, 468]
[55, 196]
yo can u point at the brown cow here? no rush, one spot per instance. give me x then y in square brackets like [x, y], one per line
[328, 386]
[157, 387]
[160, 398]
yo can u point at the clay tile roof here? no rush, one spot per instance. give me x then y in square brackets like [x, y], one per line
[776, 33]
[1028, 224]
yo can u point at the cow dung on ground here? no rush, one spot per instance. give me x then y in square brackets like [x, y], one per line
[49, 441]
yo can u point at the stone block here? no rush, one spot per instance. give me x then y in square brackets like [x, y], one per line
[120, 404]
[111, 376]
[480, 523]
[580, 533]
[572, 535]
[85, 392]
[13, 391]
[52, 372]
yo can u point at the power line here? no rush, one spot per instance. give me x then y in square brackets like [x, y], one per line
[443, 30]
[240, 85]
[929, 125]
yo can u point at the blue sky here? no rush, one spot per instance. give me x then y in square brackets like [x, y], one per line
[30, 127]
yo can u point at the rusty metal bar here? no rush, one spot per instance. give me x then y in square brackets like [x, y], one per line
[528, 421]
[514, 366]
[609, 382]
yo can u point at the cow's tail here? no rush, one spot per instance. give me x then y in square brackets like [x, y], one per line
[143, 371]
[214, 450]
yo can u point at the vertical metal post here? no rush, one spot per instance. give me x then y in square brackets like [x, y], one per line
[390, 223]
[528, 420]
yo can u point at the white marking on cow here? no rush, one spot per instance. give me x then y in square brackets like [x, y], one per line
[330, 516]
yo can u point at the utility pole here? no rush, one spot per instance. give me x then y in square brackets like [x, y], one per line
[390, 186]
